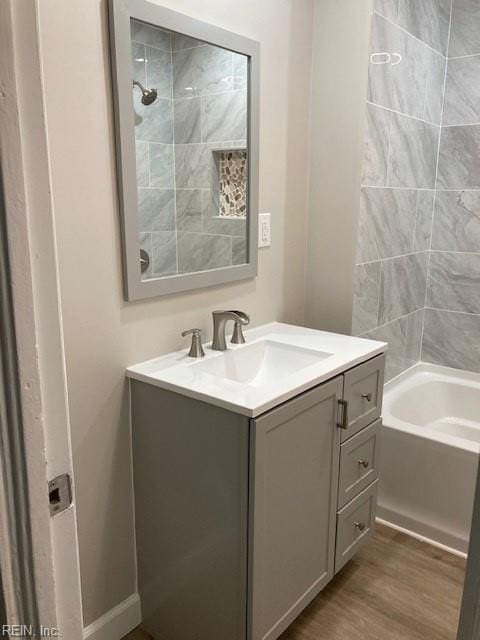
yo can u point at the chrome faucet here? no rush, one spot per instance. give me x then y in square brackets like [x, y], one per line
[220, 319]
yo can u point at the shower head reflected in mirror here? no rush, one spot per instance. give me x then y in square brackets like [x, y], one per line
[148, 95]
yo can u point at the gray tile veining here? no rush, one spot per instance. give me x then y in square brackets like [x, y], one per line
[201, 71]
[402, 286]
[149, 34]
[181, 41]
[239, 250]
[159, 72]
[452, 339]
[189, 209]
[412, 153]
[164, 251]
[187, 120]
[376, 146]
[387, 8]
[454, 282]
[154, 122]
[459, 160]
[387, 223]
[401, 71]
[201, 251]
[141, 158]
[212, 223]
[434, 89]
[413, 347]
[395, 333]
[456, 224]
[427, 20]
[240, 71]
[156, 209]
[224, 116]
[193, 164]
[462, 95]
[465, 33]
[423, 222]
[161, 166]
[365, 300]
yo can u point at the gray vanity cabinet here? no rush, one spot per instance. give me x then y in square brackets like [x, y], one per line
[240, 522]
[294, 474]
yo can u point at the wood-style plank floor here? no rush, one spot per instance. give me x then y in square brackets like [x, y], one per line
[396, 588]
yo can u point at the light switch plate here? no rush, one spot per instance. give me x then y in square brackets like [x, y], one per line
[264, 230]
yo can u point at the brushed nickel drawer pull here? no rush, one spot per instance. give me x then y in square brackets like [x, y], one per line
[365, 463]
[367, 396]
[344, 422]
[361, 526]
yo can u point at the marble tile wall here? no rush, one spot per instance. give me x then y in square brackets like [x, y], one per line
[452, 315]
[201, 107]
[407, 66]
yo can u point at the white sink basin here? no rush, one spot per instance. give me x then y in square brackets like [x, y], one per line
[261, 363]
[278, 362]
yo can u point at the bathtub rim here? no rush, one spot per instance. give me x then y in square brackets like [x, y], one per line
[404, 381]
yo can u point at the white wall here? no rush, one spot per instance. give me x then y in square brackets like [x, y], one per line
[102, 333]
[339, 92]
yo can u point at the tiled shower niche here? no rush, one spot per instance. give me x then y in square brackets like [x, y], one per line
[232, 183]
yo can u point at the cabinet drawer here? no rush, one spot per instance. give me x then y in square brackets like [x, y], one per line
[355, 524]
[363, 393]
[359, 459]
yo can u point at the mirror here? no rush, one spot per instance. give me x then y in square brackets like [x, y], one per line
[186, 104]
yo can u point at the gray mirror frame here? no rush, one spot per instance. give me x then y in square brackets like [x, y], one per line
[120, 13]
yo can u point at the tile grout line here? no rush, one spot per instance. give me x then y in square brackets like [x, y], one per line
[402, 113]
[403, 30]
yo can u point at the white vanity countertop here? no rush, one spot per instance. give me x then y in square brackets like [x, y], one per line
[337, 353]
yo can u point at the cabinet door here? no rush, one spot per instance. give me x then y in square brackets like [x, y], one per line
[294, 481]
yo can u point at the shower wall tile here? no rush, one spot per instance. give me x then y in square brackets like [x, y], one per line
[201, 71]
[201, 251]
[224, 116]
[456, 225]
[434, 90]
[365, 301]
[164, 253]
[387, 8]
[240, 71]
[187, 120]
[193, 166]
[161, 166]
[141, 159]
[412, 80]
[375, 163]
[148, 34]
[402, 286]
[427, 20]
[189, 209]
[239, 250]
[212, 223]
[159, 72]
[156, 209]
[424, 220]
[395, 333]
[413, 347]
[138, 62]
[454, 282]
[154, 122]
[180, 41]
[452, 339]
[462, 95]
[465, 33]
[412, 153]
[459, 160]
[387, 223]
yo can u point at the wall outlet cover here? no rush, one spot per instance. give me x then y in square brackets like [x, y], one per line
[264, 230]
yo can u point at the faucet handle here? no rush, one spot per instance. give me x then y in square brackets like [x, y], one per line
[196, 349]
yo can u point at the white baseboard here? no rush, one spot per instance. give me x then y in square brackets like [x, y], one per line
[116, 623]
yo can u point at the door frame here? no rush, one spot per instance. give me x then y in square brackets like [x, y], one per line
[36, 322]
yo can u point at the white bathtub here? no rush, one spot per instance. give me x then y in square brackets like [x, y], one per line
[430, 452]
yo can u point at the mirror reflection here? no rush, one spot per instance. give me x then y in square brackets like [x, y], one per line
[190, 109]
